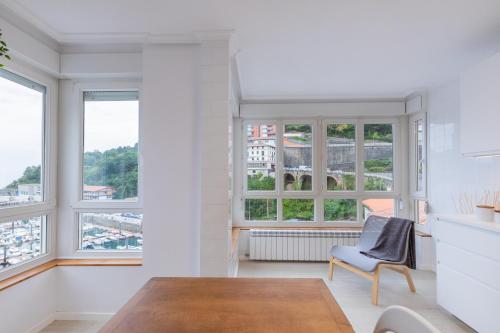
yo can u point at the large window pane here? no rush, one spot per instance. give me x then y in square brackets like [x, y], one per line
[296, 210]
[22, 104]
[341, 210]
[341, 157]
[260, 209]
[105, 231]
[22, 240]
[378, 152]
[111, 135]
[261, 157]
[297, 159]
[379, 207]
[419, 129]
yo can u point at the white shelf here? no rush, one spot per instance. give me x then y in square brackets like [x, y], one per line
[470, 221]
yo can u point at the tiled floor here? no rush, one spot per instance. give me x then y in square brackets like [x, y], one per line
[73, 326]
[353, 293]
[350, 291]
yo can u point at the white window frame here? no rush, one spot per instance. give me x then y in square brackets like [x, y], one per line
[47, 207]
[422, 194]
[319, 192]
[415, 194]
[104, 206]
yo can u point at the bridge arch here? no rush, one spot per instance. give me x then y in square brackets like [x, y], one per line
[306, 183]
[333, 181]
[289, 181]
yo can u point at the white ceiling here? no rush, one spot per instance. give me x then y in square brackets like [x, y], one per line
[305, 48]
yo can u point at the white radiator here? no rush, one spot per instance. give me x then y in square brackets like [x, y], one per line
[298, 245]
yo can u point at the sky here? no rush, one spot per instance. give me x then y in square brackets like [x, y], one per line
[107, 125]
[20, 130]
[111, 124]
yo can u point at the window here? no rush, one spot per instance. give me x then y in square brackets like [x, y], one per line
[22, 240]
[341, 157]
[418, 166]
[24, 182]
[298, 210]
[351, 178]
[105, 231]
[261, 140]
[297, 157]
[111, 136]
[378, 154]
[22, 105]
[341, 210]
[109, 214]
[379, 206]
[260, 209]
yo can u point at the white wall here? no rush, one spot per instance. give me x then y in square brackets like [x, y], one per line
[449, 172]
[216, 159]
[170, 152]
[86, 291]
[29, 305]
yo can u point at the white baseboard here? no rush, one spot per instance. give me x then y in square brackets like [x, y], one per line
[82, 316]
[69, 316]
[41, 325]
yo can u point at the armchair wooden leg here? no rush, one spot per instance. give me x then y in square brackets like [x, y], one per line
[407, 274]
[330, 270]
[376, 277]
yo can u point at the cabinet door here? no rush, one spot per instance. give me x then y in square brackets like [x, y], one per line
[471, 301]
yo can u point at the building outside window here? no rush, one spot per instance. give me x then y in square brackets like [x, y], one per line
[320, 171]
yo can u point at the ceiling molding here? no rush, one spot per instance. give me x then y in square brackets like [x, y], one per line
[26, 21]
[315, 99]
[23, 18]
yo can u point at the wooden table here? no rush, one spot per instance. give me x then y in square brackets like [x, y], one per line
[179, 305]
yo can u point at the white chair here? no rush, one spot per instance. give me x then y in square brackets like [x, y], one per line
[399, 319]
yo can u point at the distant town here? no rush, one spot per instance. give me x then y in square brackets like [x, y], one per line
[297, 168]
[23, 240]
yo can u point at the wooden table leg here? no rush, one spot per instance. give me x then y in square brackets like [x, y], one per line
[330, 270]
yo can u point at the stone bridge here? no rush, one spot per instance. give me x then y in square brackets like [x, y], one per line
[301, 179]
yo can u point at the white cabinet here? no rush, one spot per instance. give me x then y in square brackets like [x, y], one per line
[468, 271]
[480, 109]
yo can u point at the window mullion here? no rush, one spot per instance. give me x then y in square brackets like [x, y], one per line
[318, 171]
[360, 181]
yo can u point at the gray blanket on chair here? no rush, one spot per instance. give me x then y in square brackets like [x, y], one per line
[392, 241]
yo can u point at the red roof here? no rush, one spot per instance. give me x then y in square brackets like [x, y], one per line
[380, 207]
[97, 188]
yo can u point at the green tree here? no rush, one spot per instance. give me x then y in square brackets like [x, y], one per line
[298, 209]
[347, 131]
[378, 166]
[298, 128]
[260, 209]
[259, 182]
[340, 210]
[378, 132]
[31, 175]
[115, 167]
[375, 184]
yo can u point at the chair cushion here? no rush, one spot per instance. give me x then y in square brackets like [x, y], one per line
[351, 255]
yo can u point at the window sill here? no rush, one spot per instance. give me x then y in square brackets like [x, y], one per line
[23, 276]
